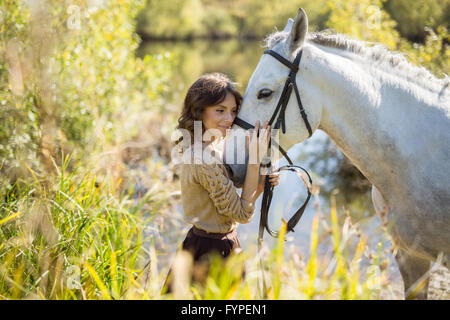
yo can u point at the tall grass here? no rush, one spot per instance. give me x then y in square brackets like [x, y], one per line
[71, 228]
[349, 270]
[81, 239]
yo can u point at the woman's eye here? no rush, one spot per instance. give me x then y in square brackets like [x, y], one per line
[220, 111]
[264, 93]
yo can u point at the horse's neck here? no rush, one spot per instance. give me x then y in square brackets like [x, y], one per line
[369, 120]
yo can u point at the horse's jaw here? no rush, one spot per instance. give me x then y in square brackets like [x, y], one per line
[235, 155]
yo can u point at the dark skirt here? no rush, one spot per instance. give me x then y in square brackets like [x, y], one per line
[202, 245]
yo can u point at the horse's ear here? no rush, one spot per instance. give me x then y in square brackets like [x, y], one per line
[289, 24]
[298, 32]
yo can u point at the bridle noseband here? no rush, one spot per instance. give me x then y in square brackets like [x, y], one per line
[289, 85]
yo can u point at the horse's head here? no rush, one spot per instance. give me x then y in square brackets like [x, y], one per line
[265, 89]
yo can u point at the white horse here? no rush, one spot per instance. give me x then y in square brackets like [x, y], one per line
[391, 119]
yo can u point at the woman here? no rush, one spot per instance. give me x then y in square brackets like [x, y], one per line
[210, 200]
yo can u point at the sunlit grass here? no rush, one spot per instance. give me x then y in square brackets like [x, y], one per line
[78, 239]
[337, 275]
[84, 239]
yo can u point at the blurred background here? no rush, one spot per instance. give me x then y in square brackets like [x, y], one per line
[90, 93]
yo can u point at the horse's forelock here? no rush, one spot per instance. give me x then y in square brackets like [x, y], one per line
[275, 38]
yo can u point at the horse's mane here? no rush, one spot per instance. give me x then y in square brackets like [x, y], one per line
[378, 53]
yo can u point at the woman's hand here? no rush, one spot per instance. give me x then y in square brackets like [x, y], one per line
[274, 179]
[257, 146]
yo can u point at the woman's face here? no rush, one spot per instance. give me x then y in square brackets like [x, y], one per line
[220, 116]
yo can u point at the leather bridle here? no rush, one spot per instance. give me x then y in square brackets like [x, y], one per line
[289, 85]
[285, 95]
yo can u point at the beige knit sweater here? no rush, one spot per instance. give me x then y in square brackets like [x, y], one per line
[210, 199]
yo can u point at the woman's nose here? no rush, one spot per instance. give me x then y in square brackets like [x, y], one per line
[229, 117]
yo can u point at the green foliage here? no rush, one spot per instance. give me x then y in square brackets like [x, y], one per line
[18, 103]
[395, 24]
[102, 80]
[434, 54]
[70, 81]
[80, 240]
[414, 16]
[218, 22]
[247, 18]
[364, 20]
[179, 18]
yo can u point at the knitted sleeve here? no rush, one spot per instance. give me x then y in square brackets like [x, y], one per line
[223, 193]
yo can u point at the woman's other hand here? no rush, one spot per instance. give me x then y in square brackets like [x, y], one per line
[274, 179]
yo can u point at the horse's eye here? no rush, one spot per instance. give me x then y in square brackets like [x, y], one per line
[264, 93]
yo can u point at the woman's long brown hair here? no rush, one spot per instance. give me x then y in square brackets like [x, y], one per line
[208, 90]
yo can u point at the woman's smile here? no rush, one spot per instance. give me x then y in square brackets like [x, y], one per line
[221, 115]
